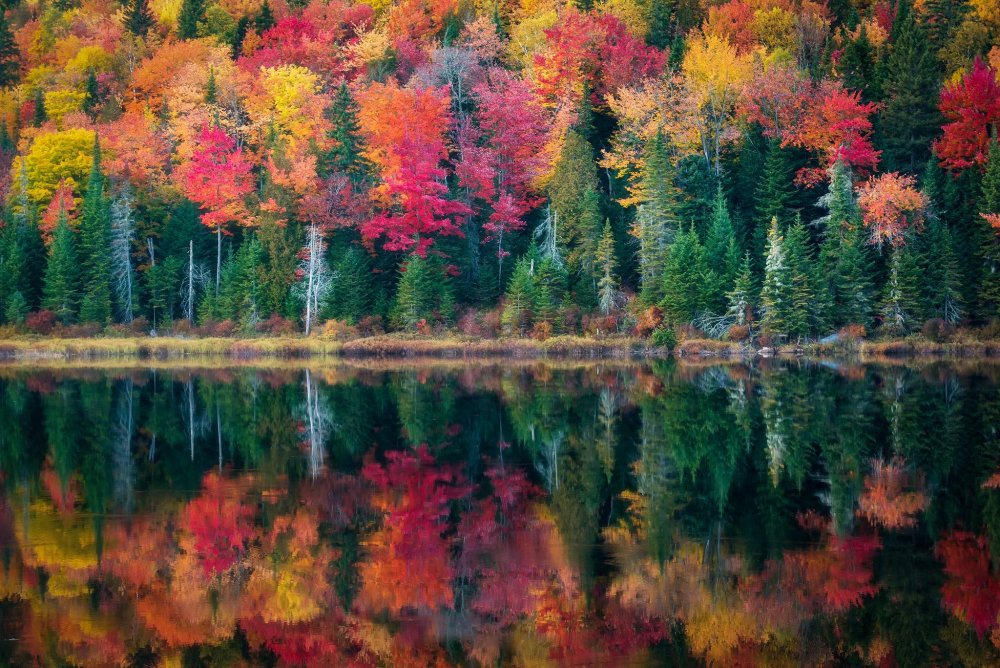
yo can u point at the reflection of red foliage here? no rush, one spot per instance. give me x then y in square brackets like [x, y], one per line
[308, 644]
[893, 495]
[220, 523]
[972, 592]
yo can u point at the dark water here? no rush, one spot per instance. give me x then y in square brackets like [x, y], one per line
[505, 515]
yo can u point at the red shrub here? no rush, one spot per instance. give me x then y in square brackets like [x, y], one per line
[276, 326]
[40, 322]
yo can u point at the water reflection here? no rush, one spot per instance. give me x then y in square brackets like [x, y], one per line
[507, 515]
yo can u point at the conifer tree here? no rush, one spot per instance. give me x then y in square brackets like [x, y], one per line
[607, 283]
[857, 63]
[520, 298]
[909, 118]
[800, 315]
[685, 277]
[11, 269]
[721, 250]
[854, 289]
[573, 192]
[31, 247]
[550, 287]
[264, 20]
[138, 17]
[422, 294]
[62, 273]
[239, 36]
[940, 274]
[900, 305]
[192, 13]
[39, 116]
[657, 219]
[95, 249]
[211, 88]
[351, 293]
[10, 55]
[776, 293]
[773, 195]
[92, 94]
[345, 135]
[989, 286]
[742, 299]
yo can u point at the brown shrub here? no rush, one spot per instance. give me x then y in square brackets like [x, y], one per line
[338, 330]
[937, 330]
[852, 332]
[83, 330]
[40, 322]
[738, 333]
[277, 325]
[541, 331]
[648, 320]
[600, 325]
[371, 325]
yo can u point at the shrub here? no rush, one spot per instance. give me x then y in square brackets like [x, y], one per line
[648, 320]
[40, 322]
[600, 325]
[664, 337]
[276, 325]
[541, 331]
[139, 325]
[84, 330]
[224, 328]
[569, 319]
[738, 333]
[489, 322]
[937, 330]
[852, 332]
[371, 325]
[338, 330]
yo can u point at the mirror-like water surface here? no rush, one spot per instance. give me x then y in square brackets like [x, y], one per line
[500, 515]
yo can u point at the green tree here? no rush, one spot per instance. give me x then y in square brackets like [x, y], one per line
[62, 273]
[351, 295]
[742, 299]
[264, 20]
[95, 249]
[10, 55]
[858, 64]
[192, 13]
[989, 203]
[900, 306]
[940, 274]
[92, 94]
[573, 192]
[239, 35]
[800, 315]
[138, 17]
[908, 119]
[776, 294]
[39, 115]
[423, 293]
[773, 195]
[520, 297]
[685, 277]
[722, 250]
[854, 288]
[345, 133]
[607, 283]
[211, 88]
[656, 221]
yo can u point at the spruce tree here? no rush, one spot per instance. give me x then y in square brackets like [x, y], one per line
[773, 195]
[685, 278]
[92, 94]
[573, 192]
[857, 64]
[607, 283]
[722, 250]
[854, 289]
[550, 287]
[62, 273]
[776, 293]
[989, 238]
[11, 269]
[345, 135]
[900, 306]
[742, 299]
[800, 315]
[192, 13]
[351, 294]
[32, 247]
[10, 55]
[657, 218]
[909, 118]
[39, 116]
[211, 88]
[264, 20]
[138, 17]
[95, 249]
[520, 298]
[940, 273]
[239, 35]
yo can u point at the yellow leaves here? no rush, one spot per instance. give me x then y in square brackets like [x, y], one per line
[988, 12]
[290, 99]
[58, 103]
[714, 68]
[370, 47]
[527, 37]
[775, 28]
[65, 546]
[632, 13]
[55, 156]
[90, 58]
[166, 11]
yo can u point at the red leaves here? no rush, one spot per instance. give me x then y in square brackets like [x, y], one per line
[972, 108]
[839, 127]
[972, 591]
[891, 206]
[220, 524]
[218, 177]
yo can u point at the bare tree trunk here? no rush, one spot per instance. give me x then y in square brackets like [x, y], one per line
[218, 257]
[190, 299]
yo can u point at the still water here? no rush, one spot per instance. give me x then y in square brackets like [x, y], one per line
[523, 515]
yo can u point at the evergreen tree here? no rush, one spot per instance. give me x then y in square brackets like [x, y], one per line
[351, 293]
[857, 64]
[192, 13]
[685, 278]
[989, 203]
[550, 287]
[424, 293]
[941, 276]
[573, 192]
[92, 94]
[776, 294]
[774, 193]
[211, 88]
[520, 297]
[62, 273]
[239, 35]
[660, 15]
[900, 306]
[345, 136]
[800, 315]
[138, 17]
[10, 55]
[742, 299]
[264, 20]
[656, 220]
[854, 289]
[95, 249]
[11, 269]
[39, 116]
[908, 119]
[32, 250]
[721, 250]
[607, 283]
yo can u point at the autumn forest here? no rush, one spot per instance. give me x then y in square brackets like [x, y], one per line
[774, 170]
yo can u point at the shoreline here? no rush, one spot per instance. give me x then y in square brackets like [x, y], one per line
[406, 346]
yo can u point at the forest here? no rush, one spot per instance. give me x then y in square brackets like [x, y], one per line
[765, 170]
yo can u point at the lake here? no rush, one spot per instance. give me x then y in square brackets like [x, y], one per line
[521, 514]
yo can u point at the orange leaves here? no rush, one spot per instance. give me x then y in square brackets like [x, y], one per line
[972, 591]
[892, 207]
[135, 151]
[893, 495]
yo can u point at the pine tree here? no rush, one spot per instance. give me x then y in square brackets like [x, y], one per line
[742, 299]
[940, 273]
[10, 55]
[573, 192]
[776, 294]
[423, 293]
[351, 294]
[773, 195]
[900, 306]
[31, 247]
[550, 287]
[39, 116]
[520, 297]
[800, 315]
[607, 284]
[722, 250]
[138, 17]
[192, 13]
[657, 219]
[239, 35]
[95, 250]
[211, 88]
[92, 94]
[11, 269]
[685, 277]
[345, 135]
[264, 20]
[857, 63]
[989, 244]
[854, 290]
[62, 273]
[909, 118]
